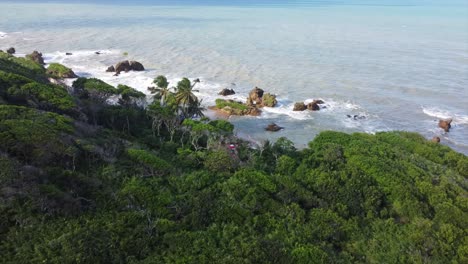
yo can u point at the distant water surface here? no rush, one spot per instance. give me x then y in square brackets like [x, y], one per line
[400, 64]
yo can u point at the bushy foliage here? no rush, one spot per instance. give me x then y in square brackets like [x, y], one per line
[94, 88]
[57, 70]
[22, 66]
[221, 103]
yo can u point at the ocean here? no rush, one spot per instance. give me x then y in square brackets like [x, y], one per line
[401, 65]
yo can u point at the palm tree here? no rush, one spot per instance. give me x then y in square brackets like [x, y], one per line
[162, 91]
[185, 96]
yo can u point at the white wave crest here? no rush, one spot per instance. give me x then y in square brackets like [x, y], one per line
[445, 114]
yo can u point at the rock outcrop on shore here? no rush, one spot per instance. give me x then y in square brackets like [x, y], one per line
[59, 71]
[273, 127]
[126, 66]
[36, 56]
[11, 50]
[445, 124]
[436, 139]
[226, 92]
[258, 97]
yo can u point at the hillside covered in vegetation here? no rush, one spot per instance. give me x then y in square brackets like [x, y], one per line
[83, 180]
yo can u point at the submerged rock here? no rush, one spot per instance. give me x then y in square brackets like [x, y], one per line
[445, 124]
[226, 92]
[299, 106]
[11, 50]
[97, 53]
[36, 56]
[273, 127]
[68, 53]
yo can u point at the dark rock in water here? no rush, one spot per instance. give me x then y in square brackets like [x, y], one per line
[318, 101]
[313, 106]
[197, 80]
[255, 96]
[68, 54]
[111, 69]
[123, 66]
[117, 74]
[445, 124]
[273, 127]
[126, 66]
[436, 139]
[300, 106]
[226, 92]
[136, 66]
[11, 50]
[97, 53]
[36, 56]
[356, 117]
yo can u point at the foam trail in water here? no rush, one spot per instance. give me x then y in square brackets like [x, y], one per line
[445, 114]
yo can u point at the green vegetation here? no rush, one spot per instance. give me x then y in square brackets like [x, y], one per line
[221, 103]
[119, 183]
[57, 70]
[269, 100]
[22, 66]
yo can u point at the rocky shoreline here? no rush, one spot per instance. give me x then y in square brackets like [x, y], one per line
[257, 98]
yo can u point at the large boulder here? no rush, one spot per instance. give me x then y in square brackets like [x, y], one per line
[126, 66]
[313, 106]
[445, 124]
[136, 66]
[11, 50]
[110, 69]
[299, 106]
[269, 100]
[226, 92]
[255, 96]
[273, 127]
[36, 56]
[123, 66]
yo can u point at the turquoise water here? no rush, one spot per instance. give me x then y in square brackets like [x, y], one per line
[402, 64]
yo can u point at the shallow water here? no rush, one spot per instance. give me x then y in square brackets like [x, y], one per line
[402, 64]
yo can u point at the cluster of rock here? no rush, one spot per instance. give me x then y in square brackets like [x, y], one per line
[126, 66]
[312, 106]
[258, 98]
[11, 50]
